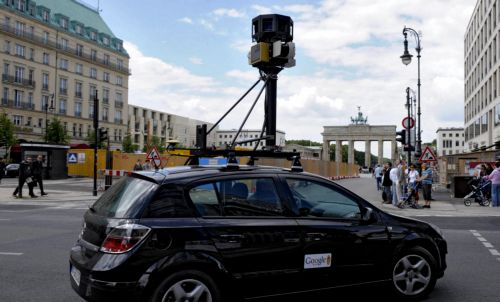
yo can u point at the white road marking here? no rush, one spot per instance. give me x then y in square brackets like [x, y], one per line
[10, 254]
[488, 245]
[4, 219]
[481, 239]
[494, 252]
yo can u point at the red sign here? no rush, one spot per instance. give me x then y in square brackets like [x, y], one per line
[408, 123]
[428, 155]
[154, 156]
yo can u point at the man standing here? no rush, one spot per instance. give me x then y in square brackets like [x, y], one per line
[426, 180]
[2, 169]
[394, 175]
[25, 175]
[38, 174]
[387, 182]
[378, 176]
[138, 165]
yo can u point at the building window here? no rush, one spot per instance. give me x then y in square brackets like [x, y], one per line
[78, 109]
[105, 112]
[64, 44]
[497, 115]
[64, 23]
[45, 15]
[79, 50]
[18, 98]
[45, 102]
[78, 68]
[45, 37]
[119, 64]
[105, 96]
[93, 73]
[21, 5]
[62, 106]
[78, 29]
[484, 123]
[19, 74]
[63, 86]
[7, 47]
[105, 77]
[119, 81]
[106, 59]
[92, 92]
[93, 54]
[78, 90]
[20, 28]
[45, 81]
[17, 120]
[91, 110]
[45, 58]
[93, 36]
[20, 50]
[63, 64]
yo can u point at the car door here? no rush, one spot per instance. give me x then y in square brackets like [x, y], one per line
[339, 247]
[258, 241]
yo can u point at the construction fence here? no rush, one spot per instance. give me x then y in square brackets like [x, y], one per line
[83, 165]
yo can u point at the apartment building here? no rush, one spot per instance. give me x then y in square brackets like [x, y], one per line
[450, 141]
[144, 123]
[56, 56]
[482, 76]
[226, 137]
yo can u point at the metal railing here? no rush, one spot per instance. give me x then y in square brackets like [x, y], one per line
[18, 80]
[118, 104]
[20, 105]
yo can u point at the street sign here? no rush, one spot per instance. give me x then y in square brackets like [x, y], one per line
[428, 155]
[72, 158]
[154, 156]
[408, 123]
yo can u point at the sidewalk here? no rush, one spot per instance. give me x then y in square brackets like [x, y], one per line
[444, 205]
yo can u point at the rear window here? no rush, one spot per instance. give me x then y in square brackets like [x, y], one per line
[125, 198]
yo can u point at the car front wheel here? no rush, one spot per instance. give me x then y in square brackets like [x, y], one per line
[413, 274]
[189, 285]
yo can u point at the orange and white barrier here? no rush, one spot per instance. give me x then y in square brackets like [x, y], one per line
[116, 173]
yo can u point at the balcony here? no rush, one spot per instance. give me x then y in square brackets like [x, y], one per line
[105, 101]
[118, 121]
[78, 114]
[63, 91]
[62, 111]
[19, 105]
[78, 94]
[18, 81]
[118, 104]
[41, 41]
[45, 87]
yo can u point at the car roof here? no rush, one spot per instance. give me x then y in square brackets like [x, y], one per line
[182, 172]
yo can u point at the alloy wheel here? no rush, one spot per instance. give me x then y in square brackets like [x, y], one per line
[188, 290]
[411, 275]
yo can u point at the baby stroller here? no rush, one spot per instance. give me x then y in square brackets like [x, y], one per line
[480, 192]
[410, 196]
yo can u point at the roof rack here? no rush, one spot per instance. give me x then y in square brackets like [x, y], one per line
[196, 154]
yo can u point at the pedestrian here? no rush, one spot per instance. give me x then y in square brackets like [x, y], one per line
[38, 174]
[387, 182]
[394, 175]
[378, 176]
[25, 176]
[488, 168]
[2, 169]
[426, 180]
[495, 185]
[412, 183]
[138, 165]
[147, 166]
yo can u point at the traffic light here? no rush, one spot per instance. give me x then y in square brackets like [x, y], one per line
[401, 136]
[103, 134]
[201, 136]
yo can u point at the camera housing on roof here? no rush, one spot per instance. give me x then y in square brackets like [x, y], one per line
[272, 28]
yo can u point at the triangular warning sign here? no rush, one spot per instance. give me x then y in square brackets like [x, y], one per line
[428, 155]
[72, 158]
[153, 154]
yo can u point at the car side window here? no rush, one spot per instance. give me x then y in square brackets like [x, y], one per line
[320, 200]
[237, 197]
[168, 202]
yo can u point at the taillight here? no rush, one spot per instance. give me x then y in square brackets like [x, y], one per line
[123, 238]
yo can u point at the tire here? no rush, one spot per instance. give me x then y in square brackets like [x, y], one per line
[192, 284]
[467, 202]
[485, 203]
[413, 274]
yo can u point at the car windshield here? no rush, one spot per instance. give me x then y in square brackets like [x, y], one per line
[125, 198]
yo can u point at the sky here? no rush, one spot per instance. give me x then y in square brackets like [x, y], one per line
[189, 58]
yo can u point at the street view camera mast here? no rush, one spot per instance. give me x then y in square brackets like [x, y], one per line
[273, 50]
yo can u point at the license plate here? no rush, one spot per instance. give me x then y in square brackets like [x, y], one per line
[75, 274]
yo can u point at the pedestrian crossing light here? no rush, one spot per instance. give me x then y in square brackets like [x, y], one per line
[401, 136]
[103, 134]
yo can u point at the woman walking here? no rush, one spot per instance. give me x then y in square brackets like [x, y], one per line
[426, 180]
[495, 185]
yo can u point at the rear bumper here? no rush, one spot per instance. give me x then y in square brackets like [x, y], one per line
[98, 290]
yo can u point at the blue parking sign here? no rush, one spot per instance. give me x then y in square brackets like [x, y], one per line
[72, 158]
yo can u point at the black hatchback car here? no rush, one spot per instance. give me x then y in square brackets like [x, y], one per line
[211, 234]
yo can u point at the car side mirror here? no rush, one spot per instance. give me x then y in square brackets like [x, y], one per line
[368, 215]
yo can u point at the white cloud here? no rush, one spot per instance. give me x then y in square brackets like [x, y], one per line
[196, 61]
[226, 12]
[207, 24]
[186, 20]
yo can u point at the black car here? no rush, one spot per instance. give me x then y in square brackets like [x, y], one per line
[12, 170]
[203, 234]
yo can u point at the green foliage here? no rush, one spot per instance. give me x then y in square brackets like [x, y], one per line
[303, 142]
[127, 145]
[7, 137]
[91, 140]
[359, 156]
[56, 133]
[154, 142]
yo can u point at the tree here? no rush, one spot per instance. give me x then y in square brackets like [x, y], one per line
[91, 140]
[303, 142]
[154, 142]
[7, 137]
[56, 132]
[127, 145]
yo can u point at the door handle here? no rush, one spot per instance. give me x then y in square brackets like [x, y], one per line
[232, 238]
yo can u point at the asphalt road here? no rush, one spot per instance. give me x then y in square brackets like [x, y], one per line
[35, 241]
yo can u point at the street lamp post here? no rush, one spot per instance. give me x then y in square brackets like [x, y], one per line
[409, 124]
[406, 59]
[47, 108]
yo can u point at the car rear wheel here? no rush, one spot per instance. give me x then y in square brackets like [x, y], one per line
[189, 285]
[413, 274]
